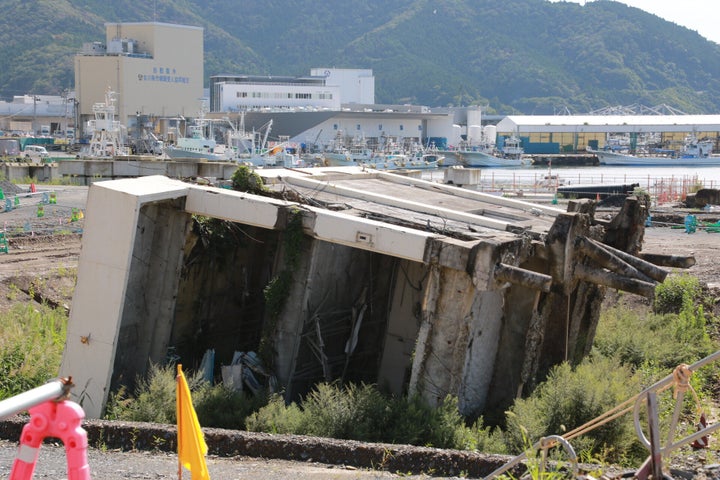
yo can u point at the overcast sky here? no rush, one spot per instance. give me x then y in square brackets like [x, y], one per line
[703, 16]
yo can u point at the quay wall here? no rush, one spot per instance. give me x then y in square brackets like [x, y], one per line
[87, 171]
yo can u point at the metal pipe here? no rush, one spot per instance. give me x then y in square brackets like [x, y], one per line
[52, 390]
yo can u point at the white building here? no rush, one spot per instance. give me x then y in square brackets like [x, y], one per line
[356, 85]
[232, 93]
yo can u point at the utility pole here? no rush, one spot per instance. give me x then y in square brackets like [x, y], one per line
[34, 126]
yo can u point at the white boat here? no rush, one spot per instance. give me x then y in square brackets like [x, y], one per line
[693, 153]
[196, 144]
[487, 155]
[108, 134]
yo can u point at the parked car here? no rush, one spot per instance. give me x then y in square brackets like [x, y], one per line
[36, 152]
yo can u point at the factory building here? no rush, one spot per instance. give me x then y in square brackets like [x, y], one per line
[154, 69]
[356, 85]
[232, 93]
[571, 133]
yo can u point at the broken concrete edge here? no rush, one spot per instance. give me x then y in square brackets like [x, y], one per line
[138, 436]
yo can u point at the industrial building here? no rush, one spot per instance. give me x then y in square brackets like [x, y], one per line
[154, 68]
[356, 85]
[572, 133]
[230, 93]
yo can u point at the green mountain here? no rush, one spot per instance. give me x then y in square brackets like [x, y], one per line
[513, 56]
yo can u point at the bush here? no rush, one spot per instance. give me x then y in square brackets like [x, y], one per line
[363, 413]
[276, 417]
[245, 179]
[675, 292]
[570, 398]
[155, 401]
[652, 340]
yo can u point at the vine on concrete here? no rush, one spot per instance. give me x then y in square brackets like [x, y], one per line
[278, 289]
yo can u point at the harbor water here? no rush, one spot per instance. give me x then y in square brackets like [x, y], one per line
[667, 182]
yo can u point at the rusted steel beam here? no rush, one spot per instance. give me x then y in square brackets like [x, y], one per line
[648, 268]
[607, 259]
[520, 276]
[613, 280]
[675, 261]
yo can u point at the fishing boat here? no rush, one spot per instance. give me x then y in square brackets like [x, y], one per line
[197, 144]
[108, 134]
[251, 148]
[511, 154]
[693, 153]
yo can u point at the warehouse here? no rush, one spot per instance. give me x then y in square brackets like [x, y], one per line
[572, 133]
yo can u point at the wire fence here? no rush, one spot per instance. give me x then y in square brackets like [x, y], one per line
[662, 189]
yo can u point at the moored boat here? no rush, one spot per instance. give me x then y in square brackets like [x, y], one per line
[197, 145]
[487, 155]
[693, 153]
[108, 134]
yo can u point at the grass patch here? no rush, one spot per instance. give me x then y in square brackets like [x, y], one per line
[31, 342]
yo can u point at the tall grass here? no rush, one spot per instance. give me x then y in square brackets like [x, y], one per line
[31, 342]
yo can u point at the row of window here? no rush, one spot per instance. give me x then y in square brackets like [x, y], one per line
[281, 95]
[358, 127]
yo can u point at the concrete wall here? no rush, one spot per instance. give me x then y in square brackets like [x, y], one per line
[85, 172]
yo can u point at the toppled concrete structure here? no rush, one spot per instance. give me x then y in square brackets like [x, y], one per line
[353, 276]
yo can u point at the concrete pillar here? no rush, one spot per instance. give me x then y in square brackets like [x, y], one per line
[443, 337]
[104, 269]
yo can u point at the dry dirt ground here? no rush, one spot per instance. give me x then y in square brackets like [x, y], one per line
[42, 261]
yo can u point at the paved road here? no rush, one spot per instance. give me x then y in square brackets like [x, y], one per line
[114, 465]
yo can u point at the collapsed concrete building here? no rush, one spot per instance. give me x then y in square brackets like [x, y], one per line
[346, 275]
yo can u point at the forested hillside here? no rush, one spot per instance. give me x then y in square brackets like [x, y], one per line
[522, 56]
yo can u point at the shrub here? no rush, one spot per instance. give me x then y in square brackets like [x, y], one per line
[570, 398]
[361, 412]
[276, 417]
[653, 340]
[245, 179]
[673, 294]
[155, 401]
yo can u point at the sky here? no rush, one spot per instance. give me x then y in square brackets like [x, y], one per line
[703, 16]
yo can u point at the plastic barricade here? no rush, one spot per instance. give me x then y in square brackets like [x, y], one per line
[60, 420]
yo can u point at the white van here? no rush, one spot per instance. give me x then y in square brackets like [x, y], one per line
[36, 152]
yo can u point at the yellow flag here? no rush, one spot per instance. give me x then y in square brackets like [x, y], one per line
[191, 443]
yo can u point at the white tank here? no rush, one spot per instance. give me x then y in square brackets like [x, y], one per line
[474, 134]
[490, 134]
[474, 117]
[456, 135]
